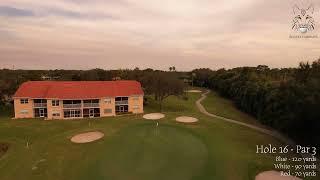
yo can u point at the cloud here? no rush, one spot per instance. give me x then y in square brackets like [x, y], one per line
[6, 35]
[64, 13]
[127, 33]
[14, 12]
[41, 12]
[74, 14]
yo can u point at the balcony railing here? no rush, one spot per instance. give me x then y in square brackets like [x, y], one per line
[122, 102]
[90, 104]
[39, 105]
[71, 105]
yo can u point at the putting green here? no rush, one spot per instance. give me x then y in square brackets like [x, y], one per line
[147, 152]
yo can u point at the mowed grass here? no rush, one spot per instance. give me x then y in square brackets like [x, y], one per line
[226, 108]
[134, 148]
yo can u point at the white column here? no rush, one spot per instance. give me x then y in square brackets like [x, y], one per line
[82, 108]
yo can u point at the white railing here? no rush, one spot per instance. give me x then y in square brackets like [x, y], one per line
[91, 105]
[122, 102]
[40, 105]
[71, 105]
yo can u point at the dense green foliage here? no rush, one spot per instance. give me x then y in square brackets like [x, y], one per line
[286, 99]
[3, 148]
[158, 83]
[162, 85]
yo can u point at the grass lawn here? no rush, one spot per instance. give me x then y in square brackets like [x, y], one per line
[133, 148]
[226, 108]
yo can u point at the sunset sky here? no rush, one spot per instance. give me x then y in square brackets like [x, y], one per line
[188, 34]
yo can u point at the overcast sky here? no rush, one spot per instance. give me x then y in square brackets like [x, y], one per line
[188, 34]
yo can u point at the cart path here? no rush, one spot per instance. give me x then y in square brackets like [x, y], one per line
[272, 133]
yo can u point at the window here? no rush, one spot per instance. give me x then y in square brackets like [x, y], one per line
[72, 113]
[55, 102]
[55, 114]
[24, 101]
[91, 112]
[121, 98]
[107, 100]
[135, 98]
[91, 101]
[40, 101]
[24, 112]
[136, 107]
[108, 111]
[40, 112]
[72, 103]
[122, 108]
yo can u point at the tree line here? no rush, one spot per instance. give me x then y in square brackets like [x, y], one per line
[286, 99]
[159, 84]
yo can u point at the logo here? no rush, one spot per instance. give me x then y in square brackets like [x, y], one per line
[303, 21]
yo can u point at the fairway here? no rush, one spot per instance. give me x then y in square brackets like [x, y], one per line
[134, 148]
[226, 108]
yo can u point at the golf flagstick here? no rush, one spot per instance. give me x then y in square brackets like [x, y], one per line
[156, 130]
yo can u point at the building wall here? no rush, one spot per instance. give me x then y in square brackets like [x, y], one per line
[104, 104]
[136, 104]
[54, 109]
[23, 110]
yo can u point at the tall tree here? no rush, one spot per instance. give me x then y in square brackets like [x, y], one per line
[163, 85]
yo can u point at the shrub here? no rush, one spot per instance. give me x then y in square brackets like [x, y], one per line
[3, 148]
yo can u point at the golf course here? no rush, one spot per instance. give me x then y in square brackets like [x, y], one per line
[134, 148]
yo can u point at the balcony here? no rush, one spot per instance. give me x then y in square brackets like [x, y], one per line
[125, 102]
[86, 105]
[71, 105]
[39, 105]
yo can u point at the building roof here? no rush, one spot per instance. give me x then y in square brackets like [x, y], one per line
[77, 89]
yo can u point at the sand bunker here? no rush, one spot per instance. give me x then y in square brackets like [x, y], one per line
[153, 116]
[274, 175]
[87, 137]
[193, 91]
[186, 119]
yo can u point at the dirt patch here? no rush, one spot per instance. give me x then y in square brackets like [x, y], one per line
[274, 175]
[87, 137]
[3, 148]
[193, 91]
[186, 119]
[154, 116]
